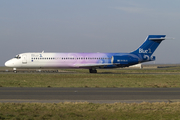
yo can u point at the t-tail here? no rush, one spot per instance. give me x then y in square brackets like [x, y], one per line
[145, 51]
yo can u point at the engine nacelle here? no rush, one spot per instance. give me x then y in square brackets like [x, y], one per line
[147, 58]
[124, 60]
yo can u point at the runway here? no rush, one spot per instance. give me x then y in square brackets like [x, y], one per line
[94, 95]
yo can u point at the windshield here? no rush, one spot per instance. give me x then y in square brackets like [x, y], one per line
[17, 57]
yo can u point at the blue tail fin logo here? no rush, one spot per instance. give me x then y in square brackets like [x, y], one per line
[145, 51]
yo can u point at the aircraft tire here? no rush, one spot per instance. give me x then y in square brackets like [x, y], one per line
[92, 71]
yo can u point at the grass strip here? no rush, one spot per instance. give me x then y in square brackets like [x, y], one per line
[129, 70]
[91, 80]
[90, 111]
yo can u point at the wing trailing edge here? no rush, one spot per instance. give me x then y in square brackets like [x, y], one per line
[92, 65]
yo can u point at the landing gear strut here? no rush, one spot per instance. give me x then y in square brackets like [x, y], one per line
[14, 70]
[92, 70]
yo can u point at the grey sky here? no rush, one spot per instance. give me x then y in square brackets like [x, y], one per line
[88, 26]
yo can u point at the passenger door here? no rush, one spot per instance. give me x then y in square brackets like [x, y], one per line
[24, 59]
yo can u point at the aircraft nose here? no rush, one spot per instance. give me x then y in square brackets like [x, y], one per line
[9, 64]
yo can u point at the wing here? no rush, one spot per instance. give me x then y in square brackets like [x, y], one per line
[93, 65]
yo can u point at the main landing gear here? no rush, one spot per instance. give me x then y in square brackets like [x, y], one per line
[92, 70]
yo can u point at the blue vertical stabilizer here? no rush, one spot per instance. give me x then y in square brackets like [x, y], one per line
[145, 51]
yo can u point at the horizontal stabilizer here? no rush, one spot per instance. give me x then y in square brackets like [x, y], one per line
[157, 39]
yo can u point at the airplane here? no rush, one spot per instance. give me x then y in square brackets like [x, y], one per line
[91, 61]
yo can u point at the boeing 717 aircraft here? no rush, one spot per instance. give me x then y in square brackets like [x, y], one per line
[91, 61]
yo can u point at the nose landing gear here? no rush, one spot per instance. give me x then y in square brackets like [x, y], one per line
[14, 70]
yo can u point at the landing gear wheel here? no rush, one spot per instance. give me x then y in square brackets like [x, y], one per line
[92, 70]
[14, 70]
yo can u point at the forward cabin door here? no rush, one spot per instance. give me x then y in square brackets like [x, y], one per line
[24, 59]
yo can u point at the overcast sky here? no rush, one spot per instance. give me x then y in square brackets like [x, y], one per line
[88, 26]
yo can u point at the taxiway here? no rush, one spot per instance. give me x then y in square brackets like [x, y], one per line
[95, 95]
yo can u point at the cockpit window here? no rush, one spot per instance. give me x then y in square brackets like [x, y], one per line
[17, 57]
